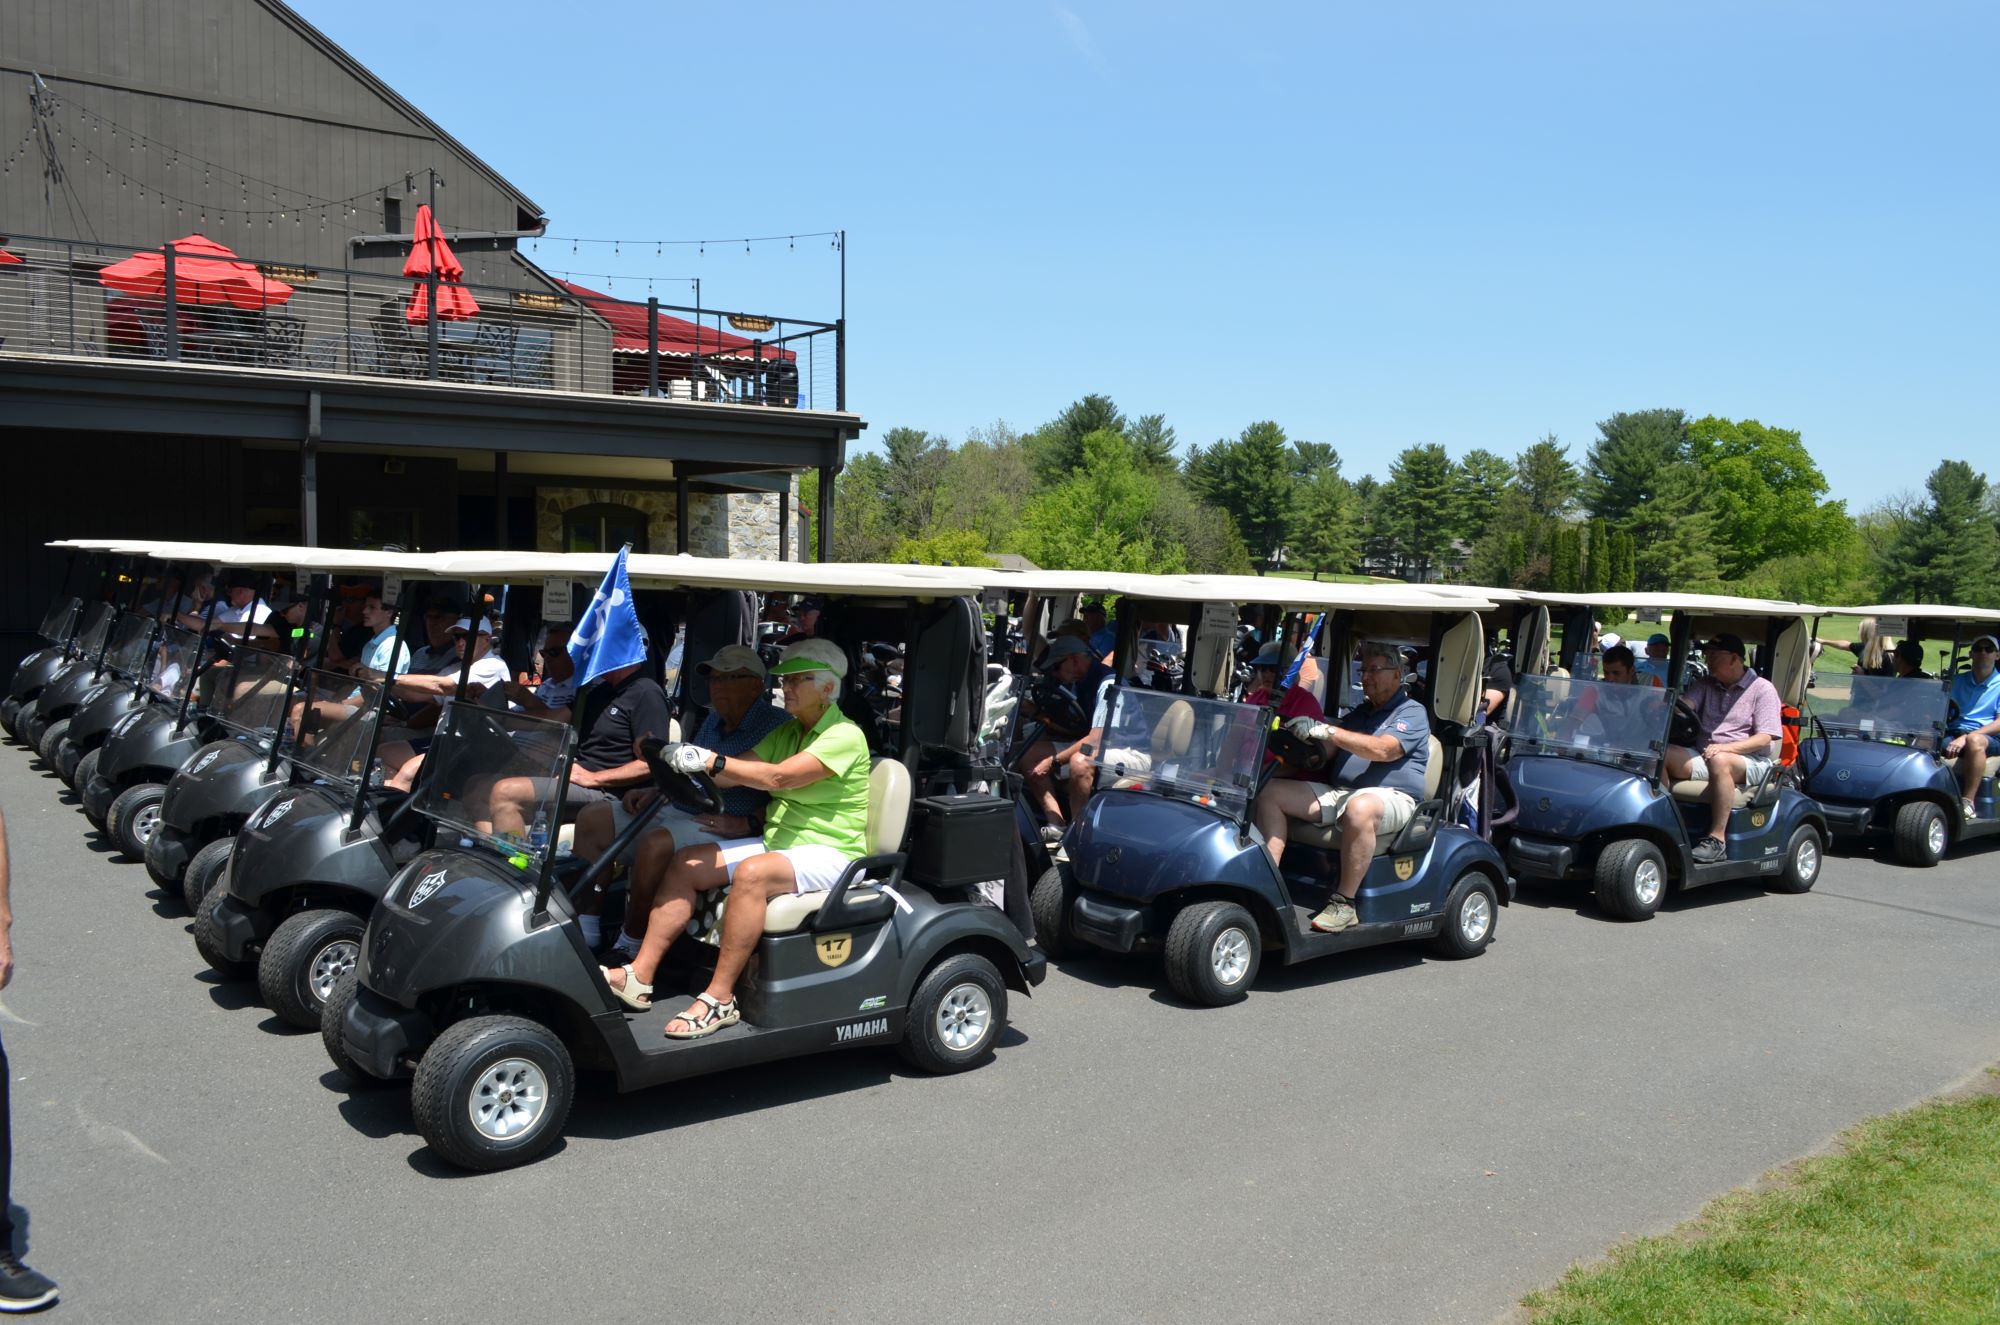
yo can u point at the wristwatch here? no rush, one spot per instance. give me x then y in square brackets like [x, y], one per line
[721, 762]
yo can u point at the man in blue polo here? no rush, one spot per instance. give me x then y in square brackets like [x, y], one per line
[1381, 750]
[1975, 720]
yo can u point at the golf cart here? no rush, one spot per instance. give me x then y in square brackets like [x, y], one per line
[474, 981]
[45, 723]
[1166, 856]
[1588, 763]
[61, 631]
[1873, 755]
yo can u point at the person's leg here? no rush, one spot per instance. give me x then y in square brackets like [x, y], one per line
[508, 805]
[1677, 763]
[756, 881]
[594, 830]
[650, 863]
[1725, 774]
[1972, 766]
[401, 762]
[1041, 786]
[1082, 777]
[6, 1152]
[1358, 822]
[695, 870]
[1281, 801]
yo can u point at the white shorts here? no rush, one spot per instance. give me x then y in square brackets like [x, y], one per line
[816, 868]
[1756, 769]
[1398, 807]
[1127, 761]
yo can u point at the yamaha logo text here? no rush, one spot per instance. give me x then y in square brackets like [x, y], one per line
[860, 1030]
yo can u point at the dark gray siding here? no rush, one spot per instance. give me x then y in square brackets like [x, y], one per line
[223, 106]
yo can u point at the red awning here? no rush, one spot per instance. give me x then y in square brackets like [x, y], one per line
[678, 336]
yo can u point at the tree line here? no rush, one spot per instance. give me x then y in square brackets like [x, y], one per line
[1658, 500]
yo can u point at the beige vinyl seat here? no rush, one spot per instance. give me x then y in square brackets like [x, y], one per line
[1992, 761]
[1327, 836]
[888, 820]
[1694, 791]
[1172, 735]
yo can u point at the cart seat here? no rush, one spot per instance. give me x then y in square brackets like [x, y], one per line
[1694, 791]
[1171, 736]
[1327, 836]
[888, 821]
[1992, 763]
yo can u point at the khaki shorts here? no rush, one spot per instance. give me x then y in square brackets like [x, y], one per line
[1398, 807]
[1756, 769]
[1130, 762]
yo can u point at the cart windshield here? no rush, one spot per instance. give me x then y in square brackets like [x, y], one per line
[476, 750]
[336, 715]
[173, 660]
[247, 694]
[96, 626]
[131, 641]
[1601, 721]
[1207, 750]
[1904, 710]
[62, 613]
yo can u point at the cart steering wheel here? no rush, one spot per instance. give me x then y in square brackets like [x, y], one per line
[1296, 755]
[1818, 738]
[694, 793]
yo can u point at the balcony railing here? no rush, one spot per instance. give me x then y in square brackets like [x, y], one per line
[337, 320]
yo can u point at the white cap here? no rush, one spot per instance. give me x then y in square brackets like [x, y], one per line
[1610, 639]
[465, 624]
[811, 655]
[733, 658]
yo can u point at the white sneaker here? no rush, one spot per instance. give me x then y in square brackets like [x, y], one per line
[1971, 810]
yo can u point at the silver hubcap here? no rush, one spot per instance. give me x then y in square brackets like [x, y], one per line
[964, 1017]
[145, 824]
[1935, 837]
[508, 1099]
[1647, 881]
[1230, 957]
[1806, 859]
[333, 961]
[1475, 917]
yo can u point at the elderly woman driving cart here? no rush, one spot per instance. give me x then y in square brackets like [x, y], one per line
[816, 771]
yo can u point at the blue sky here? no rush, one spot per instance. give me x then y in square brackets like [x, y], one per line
[1379, 225]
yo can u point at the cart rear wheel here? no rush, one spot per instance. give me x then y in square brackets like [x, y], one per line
[330, 1016]
[205, 871]
[493, 1092]
[208, 945]
[51, 741]
[304, 960]
[1922, 835]
[1803, 856]
[86, 769]
[133, 819]
[1053, 896]
[1469, 917]
[1631, 879]
[1213, 949]
[957, 1012]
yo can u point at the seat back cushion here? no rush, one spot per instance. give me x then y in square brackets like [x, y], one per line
[888, 806]
[1173, 732]
[1434, 771]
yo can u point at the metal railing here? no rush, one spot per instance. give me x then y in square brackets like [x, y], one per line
[54, 301]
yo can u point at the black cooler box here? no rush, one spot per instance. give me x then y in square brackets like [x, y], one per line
[956, 841]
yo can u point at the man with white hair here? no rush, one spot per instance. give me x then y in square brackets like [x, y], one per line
[816, 771]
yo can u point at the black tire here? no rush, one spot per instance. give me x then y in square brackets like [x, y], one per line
[463, 1065]
[1050, 902]
[52, 738]
[1923, 834]
[10, 709]
[28, 727]
[133, 818]
[68, 759]
[204, 872]
[1471, 914]
[304, 959]
[205, 941]
[330, 1016]
[1631, 879]
[86, 769]
[1213, 949]
[1804, 855]
[956, 1014]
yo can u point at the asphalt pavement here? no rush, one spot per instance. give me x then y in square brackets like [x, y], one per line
[1388, 1137]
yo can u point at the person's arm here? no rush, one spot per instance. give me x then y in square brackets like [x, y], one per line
[747, 770]
[6, 913]
[1769, 721]
[1375, 749]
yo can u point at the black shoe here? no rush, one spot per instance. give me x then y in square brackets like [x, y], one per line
[21, 1289]
[1709, 850]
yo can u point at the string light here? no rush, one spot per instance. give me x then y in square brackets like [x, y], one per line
[791, 241]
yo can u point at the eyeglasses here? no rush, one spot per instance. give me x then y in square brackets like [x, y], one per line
[732, 676]
[1983, 648]
[797, 678]
[1367, 671]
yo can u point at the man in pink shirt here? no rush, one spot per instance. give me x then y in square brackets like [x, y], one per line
[1267, 671]
[1741, 723]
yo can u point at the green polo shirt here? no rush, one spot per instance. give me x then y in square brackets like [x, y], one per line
[832, 812]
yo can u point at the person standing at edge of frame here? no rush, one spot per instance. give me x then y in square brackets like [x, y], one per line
[21, 1289]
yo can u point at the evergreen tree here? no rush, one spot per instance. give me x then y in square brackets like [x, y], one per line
[1565, 554]
[1482, 485]
[1546, 479]
[1947, 551]
[1251, 478]
[1599, 575]
[1420, 510]
[1625, 465]
[1326, 537]
[1624, 570]
[1055, 449]
[1100, 517]
[1153, 442]
[1673, 533]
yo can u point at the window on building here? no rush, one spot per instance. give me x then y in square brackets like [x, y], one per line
[604, 527]
[392, 215]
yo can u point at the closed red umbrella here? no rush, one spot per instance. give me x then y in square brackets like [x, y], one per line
[8, 259]
[431, 254]
[205, 272]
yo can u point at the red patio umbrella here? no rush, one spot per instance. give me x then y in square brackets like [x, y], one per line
[205, 272]
[431, 254]
[8, 259]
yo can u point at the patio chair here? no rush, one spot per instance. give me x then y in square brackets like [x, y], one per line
[345, 352]
[281, 341]
[492, 352]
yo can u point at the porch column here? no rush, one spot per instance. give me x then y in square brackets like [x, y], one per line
[823, 519]
[680, 514]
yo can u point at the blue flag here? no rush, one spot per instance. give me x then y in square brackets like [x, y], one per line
[608, 635]
[1312, 638]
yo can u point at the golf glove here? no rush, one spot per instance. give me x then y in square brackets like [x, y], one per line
[690, 759]
[1309, 729]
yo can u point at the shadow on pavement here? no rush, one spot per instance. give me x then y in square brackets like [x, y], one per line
[228, 994]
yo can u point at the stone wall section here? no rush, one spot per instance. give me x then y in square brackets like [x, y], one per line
[739, 525]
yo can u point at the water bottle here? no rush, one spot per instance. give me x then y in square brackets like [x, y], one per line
[538, 834]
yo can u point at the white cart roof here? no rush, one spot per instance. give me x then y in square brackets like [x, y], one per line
[689, 572]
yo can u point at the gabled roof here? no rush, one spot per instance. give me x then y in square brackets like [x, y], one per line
[292, 19]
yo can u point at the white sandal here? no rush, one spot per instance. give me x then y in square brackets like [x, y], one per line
[712, 1018]
[632, 994]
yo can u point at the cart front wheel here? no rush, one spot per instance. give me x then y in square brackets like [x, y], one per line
[1053, 896]
[1213, 949]
[1631, 879]
[493, 1092]
[304, 960]
[357, 1076]
[51, 740]
[205, 872]
[1922, 836]
[133, 819]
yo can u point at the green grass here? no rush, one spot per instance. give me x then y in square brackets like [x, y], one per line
[1902, 1225]
[1327, 578]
